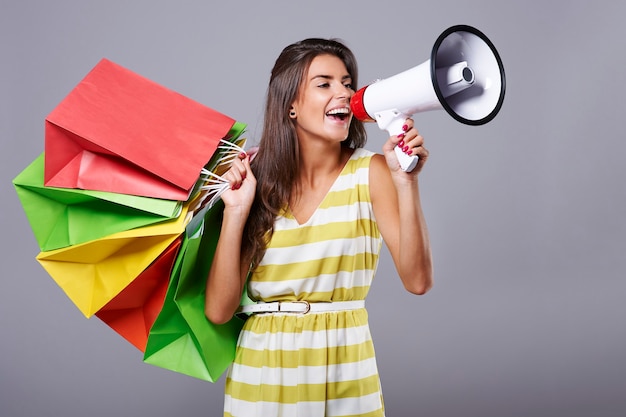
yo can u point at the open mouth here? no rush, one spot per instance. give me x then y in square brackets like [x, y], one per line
[341, 113]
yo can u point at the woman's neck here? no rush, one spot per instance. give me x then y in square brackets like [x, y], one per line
[318, 163]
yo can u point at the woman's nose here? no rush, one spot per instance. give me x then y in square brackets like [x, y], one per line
[344, 92]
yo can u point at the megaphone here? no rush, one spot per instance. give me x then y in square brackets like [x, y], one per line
[463, 76]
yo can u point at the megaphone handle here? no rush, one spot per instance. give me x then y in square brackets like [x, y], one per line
[407, 162]
[392, 121]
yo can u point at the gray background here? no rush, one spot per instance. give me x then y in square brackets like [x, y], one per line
[526, 213]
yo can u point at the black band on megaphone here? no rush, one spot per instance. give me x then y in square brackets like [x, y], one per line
[435, 64]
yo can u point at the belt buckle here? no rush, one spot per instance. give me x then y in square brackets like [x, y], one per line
[306, 303]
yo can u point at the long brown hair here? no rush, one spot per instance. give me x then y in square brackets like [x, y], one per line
[276, 164]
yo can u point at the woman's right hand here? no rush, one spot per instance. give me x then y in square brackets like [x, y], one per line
[242, 183]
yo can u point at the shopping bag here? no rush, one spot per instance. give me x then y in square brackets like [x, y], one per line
[133, 311]
[119, 132]
[61, 217]
[91, 274]
[182, 339]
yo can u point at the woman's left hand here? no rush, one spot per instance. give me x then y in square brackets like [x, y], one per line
[411, 143]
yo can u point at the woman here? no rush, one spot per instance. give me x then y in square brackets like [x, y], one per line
[303, 227]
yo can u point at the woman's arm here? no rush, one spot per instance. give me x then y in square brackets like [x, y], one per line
[229, 269]
[397, 207]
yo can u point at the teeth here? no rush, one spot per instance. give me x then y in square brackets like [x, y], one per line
[343, 110]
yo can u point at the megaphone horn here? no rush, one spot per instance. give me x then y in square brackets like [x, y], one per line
[463, 76]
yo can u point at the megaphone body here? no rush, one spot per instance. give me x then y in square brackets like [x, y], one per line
[463, 76]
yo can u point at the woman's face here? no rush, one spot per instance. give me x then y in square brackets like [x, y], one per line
[322, 108]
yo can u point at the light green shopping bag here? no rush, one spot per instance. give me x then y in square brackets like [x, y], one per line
[182, 339]
[61, 217]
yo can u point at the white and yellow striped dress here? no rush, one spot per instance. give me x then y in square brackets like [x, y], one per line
[316, 364]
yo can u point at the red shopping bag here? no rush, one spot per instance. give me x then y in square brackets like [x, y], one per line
[119, 132]
[133, 311]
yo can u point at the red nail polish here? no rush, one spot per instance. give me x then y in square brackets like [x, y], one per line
[409, 152]
[401, 144]
[401, 136]
[242, 155]
[406, 148]
[405, 127]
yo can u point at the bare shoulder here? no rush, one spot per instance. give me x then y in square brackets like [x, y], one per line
[378, 164]
[380, 178]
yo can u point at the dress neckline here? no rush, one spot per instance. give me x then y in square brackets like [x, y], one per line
[289, 214]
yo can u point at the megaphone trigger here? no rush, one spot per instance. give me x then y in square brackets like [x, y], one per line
[463, 76]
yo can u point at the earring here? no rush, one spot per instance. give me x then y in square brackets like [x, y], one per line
[292, 114]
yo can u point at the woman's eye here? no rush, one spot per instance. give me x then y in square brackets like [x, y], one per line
[349, 85]
[324, 85]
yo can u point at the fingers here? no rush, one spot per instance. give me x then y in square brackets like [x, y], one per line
[238, 171]
[411, 142]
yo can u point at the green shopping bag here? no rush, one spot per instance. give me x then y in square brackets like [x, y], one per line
[62, 217]
[182, 339]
